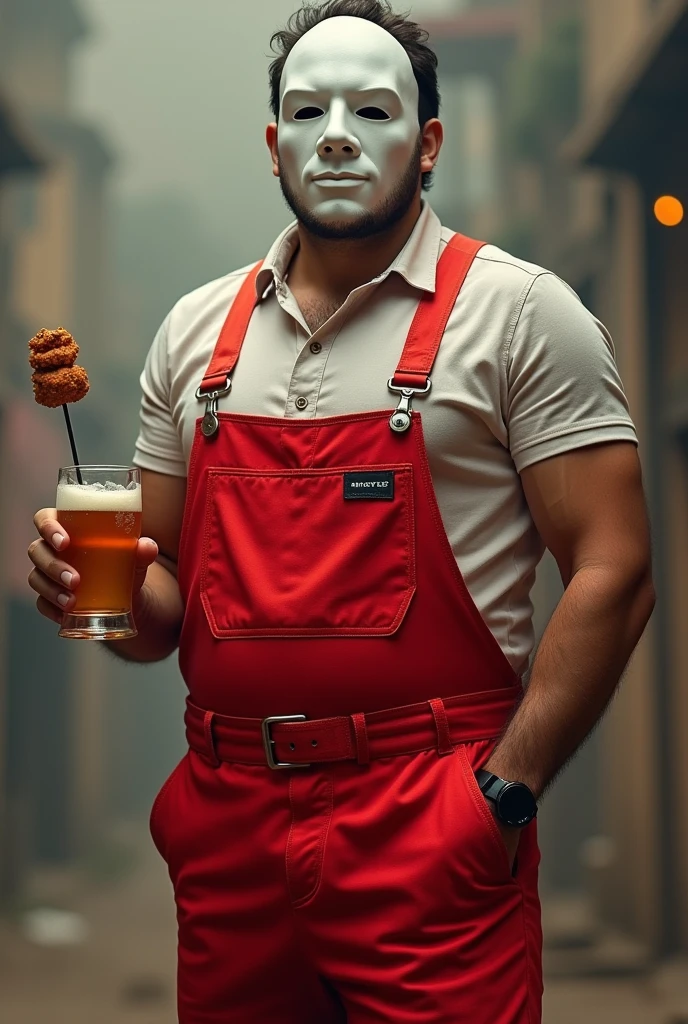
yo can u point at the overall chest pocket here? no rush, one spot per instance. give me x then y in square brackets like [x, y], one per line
[301, 553]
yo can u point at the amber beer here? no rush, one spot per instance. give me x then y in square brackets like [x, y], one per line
[102, 516]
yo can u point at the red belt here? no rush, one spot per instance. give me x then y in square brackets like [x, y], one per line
[286, 741]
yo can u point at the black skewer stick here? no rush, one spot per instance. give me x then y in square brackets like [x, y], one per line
[72, 443]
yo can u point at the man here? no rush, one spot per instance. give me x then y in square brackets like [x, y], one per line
[353, 456]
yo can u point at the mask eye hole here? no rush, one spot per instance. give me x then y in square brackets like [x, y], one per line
[373, 114]
[308, 113]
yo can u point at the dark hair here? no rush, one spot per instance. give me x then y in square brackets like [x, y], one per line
[411, 36]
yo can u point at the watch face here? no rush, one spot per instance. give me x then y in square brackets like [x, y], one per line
[516, 805]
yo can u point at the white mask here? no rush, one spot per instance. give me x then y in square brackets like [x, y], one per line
[348, 107]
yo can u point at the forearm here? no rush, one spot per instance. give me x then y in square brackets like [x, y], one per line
[583, 653]
[158, 613]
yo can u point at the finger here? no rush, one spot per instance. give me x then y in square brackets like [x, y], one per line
[43, 557]
[49, 591]
[146, 552]
[50, 530]
[49, 610]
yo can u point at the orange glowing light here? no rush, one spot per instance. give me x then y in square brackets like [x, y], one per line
[669, 211]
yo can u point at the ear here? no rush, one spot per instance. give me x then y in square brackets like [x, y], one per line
[271, 139]
[433, 137]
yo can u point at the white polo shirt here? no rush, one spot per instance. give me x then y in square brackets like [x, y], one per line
[524, 372]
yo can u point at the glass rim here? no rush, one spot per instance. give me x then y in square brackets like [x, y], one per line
[101, 468]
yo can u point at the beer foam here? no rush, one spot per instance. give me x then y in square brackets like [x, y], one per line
[97, 498]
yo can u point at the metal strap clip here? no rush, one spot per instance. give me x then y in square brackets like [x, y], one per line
[400, 420]
[210, 423]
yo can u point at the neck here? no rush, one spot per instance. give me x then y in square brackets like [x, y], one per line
[337, 266]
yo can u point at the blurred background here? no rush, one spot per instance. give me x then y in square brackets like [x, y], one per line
[132, 169]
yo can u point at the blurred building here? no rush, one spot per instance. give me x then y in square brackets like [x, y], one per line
[52, 232]
[474, 47]
[632, 127]
[588, 130]
[16, 159]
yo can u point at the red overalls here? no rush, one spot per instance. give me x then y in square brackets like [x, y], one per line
[368, 881]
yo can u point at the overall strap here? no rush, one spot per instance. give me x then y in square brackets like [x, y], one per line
[231, 337]
[413, 372]
[422, 342]
[433, 313]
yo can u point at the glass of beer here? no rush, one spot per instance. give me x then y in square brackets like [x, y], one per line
[100, 508]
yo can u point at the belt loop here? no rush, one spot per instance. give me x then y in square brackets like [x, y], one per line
[362, 754]
[444, 743]
[210, 743]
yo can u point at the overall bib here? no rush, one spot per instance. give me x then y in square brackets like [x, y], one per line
[339, 864]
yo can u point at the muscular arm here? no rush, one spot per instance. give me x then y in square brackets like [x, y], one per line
[589, 508]
[158, 607]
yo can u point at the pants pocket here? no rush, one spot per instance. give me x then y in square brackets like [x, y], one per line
[485, 824]
[156, 820]
[308, 552]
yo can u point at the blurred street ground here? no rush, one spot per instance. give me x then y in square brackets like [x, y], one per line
[125, 971]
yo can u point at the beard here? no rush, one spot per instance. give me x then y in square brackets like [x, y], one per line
[374, 222]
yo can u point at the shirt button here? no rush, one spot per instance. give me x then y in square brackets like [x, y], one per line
[301, 402]
[316, 347]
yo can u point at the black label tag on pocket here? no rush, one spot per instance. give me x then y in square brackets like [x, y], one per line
[370, 486]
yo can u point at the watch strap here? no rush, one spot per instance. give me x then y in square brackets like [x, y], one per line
[490, 785]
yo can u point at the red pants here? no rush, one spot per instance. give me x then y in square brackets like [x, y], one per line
[347, 892]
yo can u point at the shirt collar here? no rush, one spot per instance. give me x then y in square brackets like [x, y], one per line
[416, 263]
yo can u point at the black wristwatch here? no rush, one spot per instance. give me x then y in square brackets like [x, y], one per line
[515, 803]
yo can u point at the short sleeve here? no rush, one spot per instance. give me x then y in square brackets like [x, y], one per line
[563, 386]
[158, 445]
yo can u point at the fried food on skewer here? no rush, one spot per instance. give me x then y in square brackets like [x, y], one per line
[53, 358]
[58, 387]
[47, 339]
[56, 380]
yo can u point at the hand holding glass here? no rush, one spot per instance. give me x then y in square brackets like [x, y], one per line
[102, 516]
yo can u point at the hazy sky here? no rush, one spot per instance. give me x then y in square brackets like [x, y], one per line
[180, 89]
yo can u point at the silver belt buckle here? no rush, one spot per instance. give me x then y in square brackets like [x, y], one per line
[268, 740]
